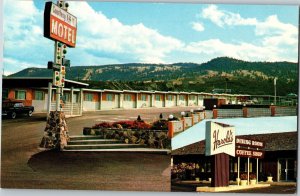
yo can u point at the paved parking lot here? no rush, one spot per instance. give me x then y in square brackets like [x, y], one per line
[277, 188]
[26, 166]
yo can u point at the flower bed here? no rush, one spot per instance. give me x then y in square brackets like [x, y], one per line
[132, 132]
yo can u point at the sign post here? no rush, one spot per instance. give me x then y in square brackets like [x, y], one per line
[60, 26]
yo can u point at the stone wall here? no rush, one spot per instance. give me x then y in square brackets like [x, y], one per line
[56, 131]
[151, 138]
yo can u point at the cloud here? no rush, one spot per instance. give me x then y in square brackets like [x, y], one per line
[197, 26]
[100, 33]
[275, 40]
[242, 50]
[109, 40]
[222, 17]
[11, 64]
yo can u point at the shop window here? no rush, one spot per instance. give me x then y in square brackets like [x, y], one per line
[181, 98]
[157, 97]
[235, 167]
[143, 97]
[170, 97]
[88, 97]
[208, 169]
[109, 97]
[39, 95]
[200, 97]
[20, 94]
[127, 97]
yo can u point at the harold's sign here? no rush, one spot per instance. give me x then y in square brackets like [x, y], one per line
[249, 143]
[249, 153]
[59, 25]
[219, 138]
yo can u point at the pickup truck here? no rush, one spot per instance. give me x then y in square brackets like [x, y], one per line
[14, 108]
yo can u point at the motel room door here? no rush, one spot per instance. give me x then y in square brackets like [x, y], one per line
[287, 169]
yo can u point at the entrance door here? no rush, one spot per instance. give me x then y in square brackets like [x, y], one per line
[287, 169]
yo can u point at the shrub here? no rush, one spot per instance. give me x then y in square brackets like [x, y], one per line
[160, 125]
[252, 176]
[244, 176]
[132, 125]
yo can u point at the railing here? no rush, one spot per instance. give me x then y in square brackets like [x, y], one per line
[230, 113]
[255, 112]
[68, 108]
[258, 112]
[286, 111]
[185, 122]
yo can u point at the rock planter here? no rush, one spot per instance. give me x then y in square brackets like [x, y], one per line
[151, 138]
[253, 182]
[269, 179]
[244, 182]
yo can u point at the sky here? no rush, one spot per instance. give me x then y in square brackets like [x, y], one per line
[115, 32]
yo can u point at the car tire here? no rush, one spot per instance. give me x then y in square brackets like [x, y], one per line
[13, 115]
[29, 113]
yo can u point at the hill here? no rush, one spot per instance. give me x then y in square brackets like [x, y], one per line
[219, 73]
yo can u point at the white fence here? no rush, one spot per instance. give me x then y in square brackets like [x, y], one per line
[68, 108]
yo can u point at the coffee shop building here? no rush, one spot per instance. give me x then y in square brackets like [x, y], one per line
[280, 151]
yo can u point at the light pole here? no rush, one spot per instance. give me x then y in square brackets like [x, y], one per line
[275, 90]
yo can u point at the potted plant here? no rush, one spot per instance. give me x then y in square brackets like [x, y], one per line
[270, 178]
[252, 179]
[244, 179]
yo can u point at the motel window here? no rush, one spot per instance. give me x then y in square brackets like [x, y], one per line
[144, 98]
[88, 97]
[4, 93]
[39, 95]
[20, 94]
[66, 97]
[127, 97]
[181, 98]
[109, 97]
[157, 97]
[193, 97]
[170, 97]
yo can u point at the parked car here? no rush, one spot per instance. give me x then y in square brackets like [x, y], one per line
[14, 108]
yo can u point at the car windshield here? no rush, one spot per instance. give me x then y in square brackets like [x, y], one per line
[11, 104]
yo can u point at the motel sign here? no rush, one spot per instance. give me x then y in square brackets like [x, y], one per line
[59, 25]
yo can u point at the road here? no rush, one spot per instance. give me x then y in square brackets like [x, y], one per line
[24, 165]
